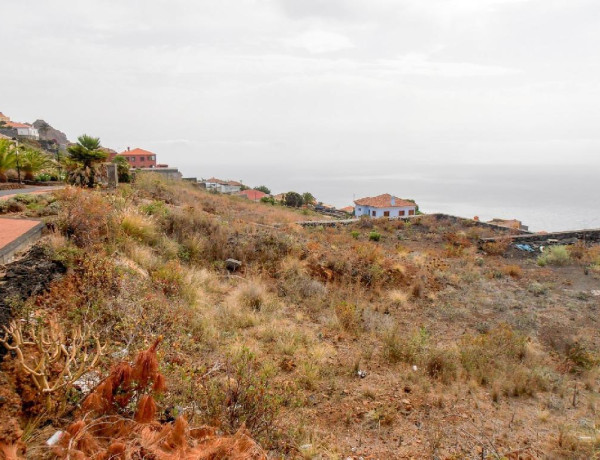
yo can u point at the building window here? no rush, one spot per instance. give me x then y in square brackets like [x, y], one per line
[411, 212]
[132, 158]
[386, 214]
[373, 213]
[402, 212]
[141, 158]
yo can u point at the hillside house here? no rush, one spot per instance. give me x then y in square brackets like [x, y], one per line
[222, 186]
[385, 205]
[138, 158]
[509, 223]
[23, 129]
[253, 195]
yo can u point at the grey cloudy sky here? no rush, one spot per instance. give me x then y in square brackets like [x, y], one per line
[335, 81]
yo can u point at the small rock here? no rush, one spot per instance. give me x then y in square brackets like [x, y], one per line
[415, 368]
[306, 447]
[233, 265]
[361, 374]
[54, 438]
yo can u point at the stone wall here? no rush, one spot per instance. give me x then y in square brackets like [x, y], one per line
[438, 216]
[566, 237]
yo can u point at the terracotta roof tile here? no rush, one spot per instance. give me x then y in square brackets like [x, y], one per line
[384, 201]
[253, 195]
[136, 152]
[14, 124]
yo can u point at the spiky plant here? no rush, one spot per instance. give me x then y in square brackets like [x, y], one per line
[7, 158]
[87, 154]
[108, 431]
[33, 161]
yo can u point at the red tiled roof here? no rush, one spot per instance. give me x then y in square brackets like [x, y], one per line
[214, 180]
[253, 195]
[349, 209]
[384, 201]
[136, 152]
[14, 124]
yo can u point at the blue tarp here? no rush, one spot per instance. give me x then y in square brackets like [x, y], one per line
[524, 247]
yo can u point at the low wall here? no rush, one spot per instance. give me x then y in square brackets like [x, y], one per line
[566, 237]
[22, 242]
[438, 216]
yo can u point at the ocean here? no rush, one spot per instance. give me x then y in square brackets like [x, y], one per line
[544, 197]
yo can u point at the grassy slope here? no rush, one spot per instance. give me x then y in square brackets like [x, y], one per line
[462, 351]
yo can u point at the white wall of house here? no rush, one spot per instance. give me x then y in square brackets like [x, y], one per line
[381, 212]
[230, 188]
[28, 132]
[222, 188]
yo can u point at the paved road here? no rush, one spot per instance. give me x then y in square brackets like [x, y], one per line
[6, 194]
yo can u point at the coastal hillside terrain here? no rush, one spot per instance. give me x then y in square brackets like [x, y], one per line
[160, 308]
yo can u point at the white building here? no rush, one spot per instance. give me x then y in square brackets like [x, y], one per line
[385, 205]
[222, 186]
[24, 129]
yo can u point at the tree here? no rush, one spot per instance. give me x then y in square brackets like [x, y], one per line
[264, 189]
[87, 154]
[293, 199]
[122, 168]
[308, 198]
[7, 158]
[32, 161]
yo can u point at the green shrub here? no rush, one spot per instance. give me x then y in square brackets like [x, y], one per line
[374, 236]
[554, 255]
[398, 347]
[355, 234]
[245, 396]
[139, 227]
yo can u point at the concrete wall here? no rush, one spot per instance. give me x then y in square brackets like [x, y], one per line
[587, 235]
[8, 252]
[361, 210]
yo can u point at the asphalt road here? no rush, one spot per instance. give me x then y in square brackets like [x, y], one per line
[20, 191]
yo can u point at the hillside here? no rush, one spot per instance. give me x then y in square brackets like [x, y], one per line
[381, 339]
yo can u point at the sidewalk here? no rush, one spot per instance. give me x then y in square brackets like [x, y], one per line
[7, 194]
[15, 234]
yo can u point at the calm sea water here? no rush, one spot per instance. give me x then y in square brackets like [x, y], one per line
[545, 197]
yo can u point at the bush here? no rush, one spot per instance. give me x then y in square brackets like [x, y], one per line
[398, 347]
[374, 236]
[243, 397]
[513, 271]
[355, 234]
[139, 227]
[85, 216]
[484, 356]
[251, 296]
[498, 247]
[349, 316]
[554, 255]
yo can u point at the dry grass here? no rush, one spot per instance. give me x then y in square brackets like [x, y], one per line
[314, 306]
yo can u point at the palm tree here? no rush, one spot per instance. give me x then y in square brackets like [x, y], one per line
[87, 154]
[7, 158]
[32, 161]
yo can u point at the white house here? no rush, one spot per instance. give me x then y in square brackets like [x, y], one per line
[24, 129]
[385, 205]
[222, 186]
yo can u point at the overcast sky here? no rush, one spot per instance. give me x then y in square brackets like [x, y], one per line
[274, 82]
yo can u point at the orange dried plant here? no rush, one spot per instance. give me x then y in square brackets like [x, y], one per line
[107, 430]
